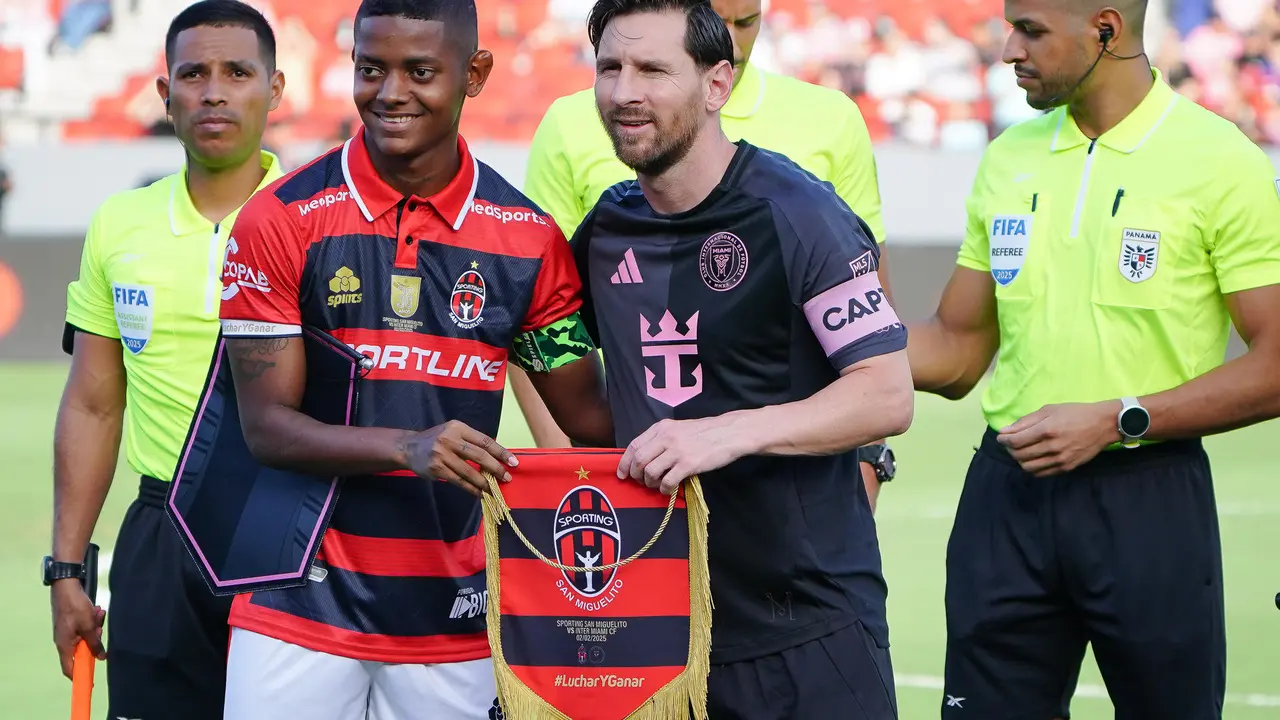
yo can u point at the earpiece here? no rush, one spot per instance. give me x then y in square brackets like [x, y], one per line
[1106, 34]
[166, 103]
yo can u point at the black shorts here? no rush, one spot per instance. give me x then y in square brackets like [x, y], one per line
[1123, 553]
[167, 635]
[844, 675]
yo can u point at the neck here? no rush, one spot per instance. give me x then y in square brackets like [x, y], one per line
[691, 180]
[1112, 100]
[217, 193]
[422, 174]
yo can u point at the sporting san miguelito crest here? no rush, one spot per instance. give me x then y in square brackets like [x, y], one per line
[587, 535]
[723, 261]
[1139, 254]
[466, 302]
[405, 291]
[135, 309]
[1009, 237]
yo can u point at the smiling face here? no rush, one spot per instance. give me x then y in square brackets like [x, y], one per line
[220, 91]
[411, 82]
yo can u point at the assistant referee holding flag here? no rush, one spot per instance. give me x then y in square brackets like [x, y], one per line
[1110, 245]
[571, 163]
[142, 319]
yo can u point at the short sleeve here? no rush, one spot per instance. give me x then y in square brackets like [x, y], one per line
[831, 271]
[1244, 242]
[975, 251]
[90, 306]
[549, 174]
[855, 178]
[262, 272]
[553, 334]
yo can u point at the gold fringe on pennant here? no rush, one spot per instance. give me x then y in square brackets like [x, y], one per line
[674, 700]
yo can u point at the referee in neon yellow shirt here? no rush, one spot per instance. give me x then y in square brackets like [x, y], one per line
[1111, 243]
[572, 162]
[142, 320]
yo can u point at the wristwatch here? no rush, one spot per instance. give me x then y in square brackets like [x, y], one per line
[55, 570]
[879, 457]
[1133, 421]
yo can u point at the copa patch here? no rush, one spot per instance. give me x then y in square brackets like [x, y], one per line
[1139, 254]
[1010, 235]
[135, 311]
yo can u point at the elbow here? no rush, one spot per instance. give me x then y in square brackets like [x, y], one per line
[263, 444]
[898, 411]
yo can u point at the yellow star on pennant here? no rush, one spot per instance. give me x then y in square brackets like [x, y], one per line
[474, 264]
[582, 473]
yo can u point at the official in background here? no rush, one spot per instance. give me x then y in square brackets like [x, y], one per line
[759, 354]
[1111, 243]
[142, 319]
[571, 162]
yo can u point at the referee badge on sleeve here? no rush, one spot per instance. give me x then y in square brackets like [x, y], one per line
[1139, 253]
[1010, 235]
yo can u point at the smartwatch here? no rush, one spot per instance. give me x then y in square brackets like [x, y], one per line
[1133, 422]
[880, 457]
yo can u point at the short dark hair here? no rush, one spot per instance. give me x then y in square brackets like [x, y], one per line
[459, 15]
[223, 13]
[706, 38]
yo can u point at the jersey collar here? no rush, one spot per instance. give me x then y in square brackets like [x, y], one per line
[375, 197]
[1132, 132]
[184, 219]
[748, 96]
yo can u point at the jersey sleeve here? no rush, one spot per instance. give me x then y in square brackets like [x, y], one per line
[553, 334]
[262, 272]
[549, 174]
[90, 306]
[832, 262]
[1243, 244]
[855, 178]
[975, 251]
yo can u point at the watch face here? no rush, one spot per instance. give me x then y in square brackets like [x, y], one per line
[1134, 422]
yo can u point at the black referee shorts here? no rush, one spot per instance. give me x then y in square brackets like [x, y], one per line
[844, 675]
[167, 635]
[1123, 553]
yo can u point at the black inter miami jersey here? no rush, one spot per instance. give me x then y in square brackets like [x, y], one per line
[758, 296]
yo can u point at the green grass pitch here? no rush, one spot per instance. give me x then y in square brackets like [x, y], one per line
[914, 519]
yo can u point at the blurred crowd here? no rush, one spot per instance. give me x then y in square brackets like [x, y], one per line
[922, 73]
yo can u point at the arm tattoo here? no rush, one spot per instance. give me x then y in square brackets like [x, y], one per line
[253, 357]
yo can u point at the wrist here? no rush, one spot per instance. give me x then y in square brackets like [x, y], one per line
[1109, 420]
[743, 430]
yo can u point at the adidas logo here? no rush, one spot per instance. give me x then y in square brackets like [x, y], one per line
[628, 270]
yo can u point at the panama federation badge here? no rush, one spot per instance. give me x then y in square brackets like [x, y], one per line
[1139, 254]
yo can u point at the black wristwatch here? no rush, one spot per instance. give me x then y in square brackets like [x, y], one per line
[879, 457]
[55, 570]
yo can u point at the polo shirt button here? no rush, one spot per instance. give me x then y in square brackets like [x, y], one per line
[408, 241]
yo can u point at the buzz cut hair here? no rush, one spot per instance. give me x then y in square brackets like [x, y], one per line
[706, 38]
[458, 15]
[219, 14]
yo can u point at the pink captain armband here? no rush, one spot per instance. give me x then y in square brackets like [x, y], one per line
[849, 312]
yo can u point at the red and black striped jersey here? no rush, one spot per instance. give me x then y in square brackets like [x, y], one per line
[434, 291]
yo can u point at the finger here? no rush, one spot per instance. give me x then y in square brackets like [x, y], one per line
[1047, 466]
[656, 470]
[492, 447]
[1025, 422]
[456, 472]
[1033, 452]
[65, 656]
[487, 461]
[628, 456]
[647, 453]
[93, 638]
[671, 481]
[1026, 437]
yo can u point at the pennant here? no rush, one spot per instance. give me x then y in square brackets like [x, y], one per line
[599, 592]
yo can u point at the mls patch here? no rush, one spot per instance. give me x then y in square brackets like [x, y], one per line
[135, 307]
[1139, 252]
[1009, 237]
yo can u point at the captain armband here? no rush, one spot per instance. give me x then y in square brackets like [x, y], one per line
[553, 346]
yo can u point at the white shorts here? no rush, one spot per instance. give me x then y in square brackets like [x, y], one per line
[268, 679]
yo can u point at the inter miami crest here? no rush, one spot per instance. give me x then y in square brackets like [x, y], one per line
[586, 535]
[466, 303]
[1139, 253]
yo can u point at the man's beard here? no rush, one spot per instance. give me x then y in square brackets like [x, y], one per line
[671, 141]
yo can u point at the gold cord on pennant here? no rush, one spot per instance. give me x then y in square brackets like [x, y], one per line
[504, 514]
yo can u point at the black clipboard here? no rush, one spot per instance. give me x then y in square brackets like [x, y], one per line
[247, 526]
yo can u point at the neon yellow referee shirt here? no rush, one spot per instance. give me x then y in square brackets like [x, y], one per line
[571, 161]
[1111, 257]
[151, 276]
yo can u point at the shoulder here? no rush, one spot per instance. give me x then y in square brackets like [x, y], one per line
[317, 184]
[1219, 143]
[497, 202]
[142, 207]
[1033, 135]
[568, 111]
[773, 178]
[807, 98]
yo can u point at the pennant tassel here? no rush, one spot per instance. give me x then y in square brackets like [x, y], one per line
[683, 697]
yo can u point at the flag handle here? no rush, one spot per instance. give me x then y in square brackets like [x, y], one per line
[82, 664]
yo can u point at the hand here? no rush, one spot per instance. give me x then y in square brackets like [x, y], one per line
[1059, 438]
[442, 452]
[75, 618]
[673, 450]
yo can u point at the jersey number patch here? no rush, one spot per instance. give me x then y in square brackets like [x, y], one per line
[1010, 235]
[135, 308]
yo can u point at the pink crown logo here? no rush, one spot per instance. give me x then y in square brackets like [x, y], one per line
[667, 329]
